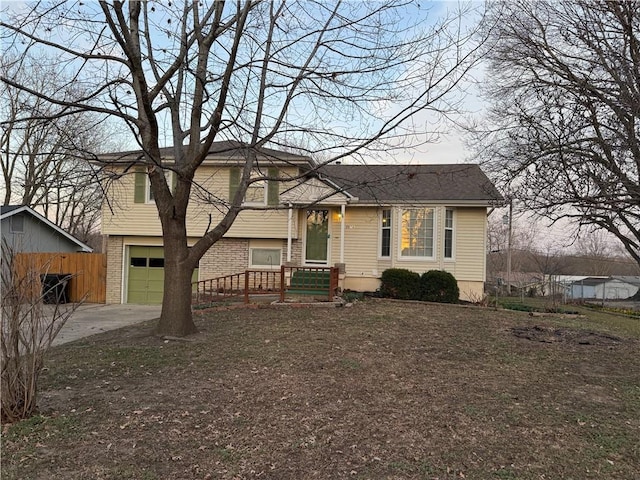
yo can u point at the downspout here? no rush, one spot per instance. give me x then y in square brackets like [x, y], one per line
[289, 231]
[342, 230]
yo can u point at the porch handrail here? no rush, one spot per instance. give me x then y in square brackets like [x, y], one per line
[310, 282]
[266, 282]
[249, 282]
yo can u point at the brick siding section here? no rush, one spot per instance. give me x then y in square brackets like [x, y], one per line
[114, 269]
[226, 256]
[296, 252]
[231, 255]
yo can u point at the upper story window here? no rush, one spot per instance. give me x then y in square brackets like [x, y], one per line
[263, 189]
[256, 190]
[143, 192]
[169, 177]
[417, 227]
[385, 233]
[448, 233]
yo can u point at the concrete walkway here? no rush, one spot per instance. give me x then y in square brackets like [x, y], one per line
[94, 318]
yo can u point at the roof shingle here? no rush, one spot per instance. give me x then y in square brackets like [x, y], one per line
[418, 183]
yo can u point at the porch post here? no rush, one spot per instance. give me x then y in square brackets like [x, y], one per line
[289, 229]
[342, 229]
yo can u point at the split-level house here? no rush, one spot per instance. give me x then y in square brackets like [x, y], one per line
[361, 218]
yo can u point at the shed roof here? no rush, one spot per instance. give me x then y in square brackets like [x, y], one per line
[9, 210]
[5, 209]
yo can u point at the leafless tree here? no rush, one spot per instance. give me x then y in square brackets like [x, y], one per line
[549, 263]
[334, 79]
[43, 154]
[524, 238]
[564, 119]
[28, 328]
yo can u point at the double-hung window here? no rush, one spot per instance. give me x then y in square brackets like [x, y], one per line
[168, 176]
[385, 233]
[263, 188]
[142, 185]
[417, 227]
[448, 233]
[256, 190]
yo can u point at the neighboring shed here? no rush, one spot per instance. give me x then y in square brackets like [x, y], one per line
[60, 262]
[632, 281]
[25, 230]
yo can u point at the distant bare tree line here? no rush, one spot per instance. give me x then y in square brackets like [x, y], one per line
[44, 149]
[592, 254]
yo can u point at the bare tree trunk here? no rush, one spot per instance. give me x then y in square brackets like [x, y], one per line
[176, 318]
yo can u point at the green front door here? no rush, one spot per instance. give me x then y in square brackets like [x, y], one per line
[316, 249]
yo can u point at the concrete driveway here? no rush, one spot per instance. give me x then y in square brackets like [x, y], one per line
[94, 318]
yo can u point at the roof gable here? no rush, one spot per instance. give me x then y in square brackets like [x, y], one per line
[313, 191]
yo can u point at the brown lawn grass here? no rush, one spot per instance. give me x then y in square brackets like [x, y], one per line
[383, 390]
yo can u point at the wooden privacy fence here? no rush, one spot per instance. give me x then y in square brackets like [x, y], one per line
[88, 272]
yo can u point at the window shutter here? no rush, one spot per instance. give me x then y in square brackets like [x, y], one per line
[234, 182]
[273, 188]
[140, 181]
[174, 182]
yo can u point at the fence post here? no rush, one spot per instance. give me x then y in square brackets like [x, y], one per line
[282, 284]
[246, 286]
[333, 282]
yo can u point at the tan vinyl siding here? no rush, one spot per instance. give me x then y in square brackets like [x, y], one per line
[210, 193]
[470, 234]
[471, 291]
[122, 216]
[260, 224]
[469, 245]
[363, 266]
[361, 241]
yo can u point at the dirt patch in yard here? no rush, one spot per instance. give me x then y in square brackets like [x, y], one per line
[383, 390]
[543, 334]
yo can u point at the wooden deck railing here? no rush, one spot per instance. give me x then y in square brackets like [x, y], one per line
[249, 282]
[318, 281]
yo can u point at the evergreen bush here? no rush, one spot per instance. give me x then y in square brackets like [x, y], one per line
[400, 283]
[439, 286]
